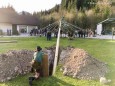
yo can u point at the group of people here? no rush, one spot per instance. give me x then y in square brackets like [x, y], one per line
[82, 33]
[36, 32]
[78, 33]
[70, 34]
[44, 32]
[86, 33]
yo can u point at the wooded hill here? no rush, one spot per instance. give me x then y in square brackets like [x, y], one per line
[82, 13]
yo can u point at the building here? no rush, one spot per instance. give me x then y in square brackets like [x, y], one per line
[105, 27]
[13, 23]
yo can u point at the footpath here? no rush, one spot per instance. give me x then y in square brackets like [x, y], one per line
[103, 37]
[96, 37]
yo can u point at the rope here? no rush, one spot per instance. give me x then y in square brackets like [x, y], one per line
[49, 25]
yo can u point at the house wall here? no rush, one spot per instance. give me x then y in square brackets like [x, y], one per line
[5, 27]
[99, 29]
[8, 28]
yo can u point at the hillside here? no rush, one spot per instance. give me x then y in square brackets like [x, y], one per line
[82, 13]
[113, 8]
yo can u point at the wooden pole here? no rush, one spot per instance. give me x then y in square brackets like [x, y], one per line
[112, 33]
[57, 50]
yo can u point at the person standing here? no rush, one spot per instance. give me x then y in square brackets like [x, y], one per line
[48, 35]
[79, 33]
[36, 64]
[84, 32]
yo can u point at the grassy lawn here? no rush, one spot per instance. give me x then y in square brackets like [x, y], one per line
[103, 50]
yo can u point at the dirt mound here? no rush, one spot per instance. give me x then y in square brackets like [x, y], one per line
[17, 62]
[79, 64]
[76, 62]
[14, 63]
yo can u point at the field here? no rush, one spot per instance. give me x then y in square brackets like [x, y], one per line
[104, 50]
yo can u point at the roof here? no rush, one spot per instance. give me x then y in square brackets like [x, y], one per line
[109, 20]
[11, 16]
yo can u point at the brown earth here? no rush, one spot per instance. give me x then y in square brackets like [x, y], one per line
[76, 63]
[14, 63]
[79, 64]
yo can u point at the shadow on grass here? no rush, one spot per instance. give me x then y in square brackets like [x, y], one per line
[45, 81]
[51, 81]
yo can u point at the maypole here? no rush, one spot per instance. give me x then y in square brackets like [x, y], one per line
[57, 49]
[113, 31]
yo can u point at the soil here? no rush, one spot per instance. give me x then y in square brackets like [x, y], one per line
[79, 64]
[14, 63]
[75, 62]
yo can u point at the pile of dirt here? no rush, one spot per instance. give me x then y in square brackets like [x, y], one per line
[79, 64]
[65, 54]
[17, 62]
[76, 62]
[14, 63]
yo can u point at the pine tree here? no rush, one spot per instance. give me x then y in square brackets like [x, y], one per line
[63, 4]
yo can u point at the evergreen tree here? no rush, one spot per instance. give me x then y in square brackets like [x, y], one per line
[63, 4]
[83, 13]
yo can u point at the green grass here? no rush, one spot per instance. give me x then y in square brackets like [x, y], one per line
[104, 50]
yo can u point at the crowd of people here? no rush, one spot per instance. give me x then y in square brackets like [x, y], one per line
[44, 32]
[70, 34]
[86, 33]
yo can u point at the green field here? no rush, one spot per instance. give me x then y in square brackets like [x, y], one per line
[104, 50]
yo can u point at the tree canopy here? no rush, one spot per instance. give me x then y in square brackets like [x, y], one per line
[83, 13]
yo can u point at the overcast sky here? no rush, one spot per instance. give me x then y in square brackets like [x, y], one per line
[30, 5]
